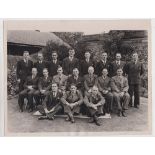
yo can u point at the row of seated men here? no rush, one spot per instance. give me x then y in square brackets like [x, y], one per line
[76, 72]
[99, 93]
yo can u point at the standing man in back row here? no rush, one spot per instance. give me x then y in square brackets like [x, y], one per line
[70, 63]
[118, 63]
[40, 64]
[134, 70]
[103, 63]
[24, 68]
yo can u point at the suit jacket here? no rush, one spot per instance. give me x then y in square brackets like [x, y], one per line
[40, 67]
[31, 82]
[61, 81]
[119, 84]
[52, 67]
[115, 66]
[104, 84]
[68, 65]
[44, 84]
[23, 69]
[134, 72]
[72, 98]
[78, 82]
[89, 81]
[50, 101]
[84, 65]
[100, 66]
[91, 99]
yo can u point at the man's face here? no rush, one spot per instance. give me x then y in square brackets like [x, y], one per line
[104, 72]
[87, 55]
[75, 72]
[119, 72]
[54, 87]
[59, 71]
[34, 71]
[73, 89]
[45, 73]
[104, 56]
[40, 57]
[26, 56]
[54, 56]
[71, 53]
[135, 56]
[118, 56]
[95, 90]
[90, 70]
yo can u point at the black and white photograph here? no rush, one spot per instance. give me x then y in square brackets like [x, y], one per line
[77, 77]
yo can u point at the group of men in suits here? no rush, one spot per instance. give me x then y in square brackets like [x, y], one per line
[75, 86]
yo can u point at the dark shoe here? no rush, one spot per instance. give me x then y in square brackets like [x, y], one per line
[136, 106]
[119, 114]
[123, 114]
[130, 105]
[30, 110]
[91, 120]
[20, 110]
[42, 117]
[72, 120]
[97, 123]
[68, 119]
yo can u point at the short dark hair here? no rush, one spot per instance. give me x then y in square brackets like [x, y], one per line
[26, 52]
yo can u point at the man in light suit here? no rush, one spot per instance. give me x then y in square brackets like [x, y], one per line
[60, 79]
[51, 104]
[104, 85]
[134, 70]
[24, 68]
[117, 64]
[94, 102]
[89, 80]
[70, 63]
[72, 101]
[30, 85]
[120, 92]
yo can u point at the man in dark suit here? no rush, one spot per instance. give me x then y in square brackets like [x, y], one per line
[30, 85]
[94, 102]
[103, 63]
[70, 63]
[40, 64]
[134, 70]
[44, 86]
[24, 68]
[54, 64]
[117, 64]
[75, 79]
[86, 63]
[104, 85]
[51, 104]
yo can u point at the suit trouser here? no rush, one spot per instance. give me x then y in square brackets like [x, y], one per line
[57, 108]
[26, 93]
[38, 96]
[94, 112]
[70, 111]
[134, 90]
[121, 101]
[109, 102]
[21, 85]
